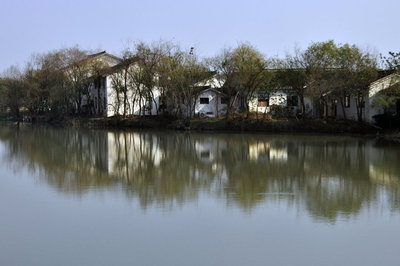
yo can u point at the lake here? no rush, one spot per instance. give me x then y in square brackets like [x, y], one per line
[104, 197]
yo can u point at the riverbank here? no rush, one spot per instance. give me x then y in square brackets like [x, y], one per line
[238, 124]
[219, 124]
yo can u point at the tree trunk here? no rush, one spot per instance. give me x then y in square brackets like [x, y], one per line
[303, 106]
[359, 111]
[343, 108]
[125, 102]
[16, 111]
[230, 106]
[98, 100]
[78, 105]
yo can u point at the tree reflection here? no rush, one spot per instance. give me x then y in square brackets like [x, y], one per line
[330, 177]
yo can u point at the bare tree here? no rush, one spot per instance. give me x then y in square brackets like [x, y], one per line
[179, 76]
[77, 76]
[12, 90]
[224, 66]
[44, 82]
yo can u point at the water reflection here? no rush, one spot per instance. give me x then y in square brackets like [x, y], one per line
[329, 177]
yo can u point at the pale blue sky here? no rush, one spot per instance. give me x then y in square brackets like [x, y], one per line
[274, 27]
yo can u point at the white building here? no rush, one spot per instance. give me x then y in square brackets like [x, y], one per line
[96, 102]
[263, 102]
[103, 98]
[369, 108]
[211, 102]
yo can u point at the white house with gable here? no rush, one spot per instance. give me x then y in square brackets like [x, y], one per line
[140, 101]
[96, 102]
[210, 101]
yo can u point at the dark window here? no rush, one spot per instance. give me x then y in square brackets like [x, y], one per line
[224, 100]
[361, 101]
[205, 154]
[263, 99]
[97, 83]
[162, 102]
[347, 101]
[204, 100]
[292, 100]
[242, 102]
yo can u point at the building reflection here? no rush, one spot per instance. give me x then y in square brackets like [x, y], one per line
[330, 177]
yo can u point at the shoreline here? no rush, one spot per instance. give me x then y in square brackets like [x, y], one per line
[221, 125]
[238, 124]
[235, 125]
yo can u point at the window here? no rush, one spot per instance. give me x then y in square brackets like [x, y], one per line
[361, 101]
[347, 101]
[292, 100]
[242, 102]
[204, 100]
[224, 100]
[263, 100]
[205, 154]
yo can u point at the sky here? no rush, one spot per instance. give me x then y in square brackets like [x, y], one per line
[275, 27]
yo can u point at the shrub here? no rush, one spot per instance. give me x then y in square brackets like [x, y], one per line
[387, 120]
[279, 112]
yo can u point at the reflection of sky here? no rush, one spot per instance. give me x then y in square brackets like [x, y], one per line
[253, 200]
[42, 227]
[330, 177]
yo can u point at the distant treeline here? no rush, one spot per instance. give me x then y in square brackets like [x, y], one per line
[56, 83]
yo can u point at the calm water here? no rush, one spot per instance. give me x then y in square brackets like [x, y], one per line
[92, 197]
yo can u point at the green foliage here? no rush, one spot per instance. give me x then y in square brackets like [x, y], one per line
[244, 72]
[387, 98]
[384, 100]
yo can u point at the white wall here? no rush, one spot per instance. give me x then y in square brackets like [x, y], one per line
[351, 111]
[98, 101]
[214, 108]
[369, 110]
[277, 98]
[136, 107]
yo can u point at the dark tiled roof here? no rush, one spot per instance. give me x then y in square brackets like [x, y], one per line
[104, 53]
[124, 63]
